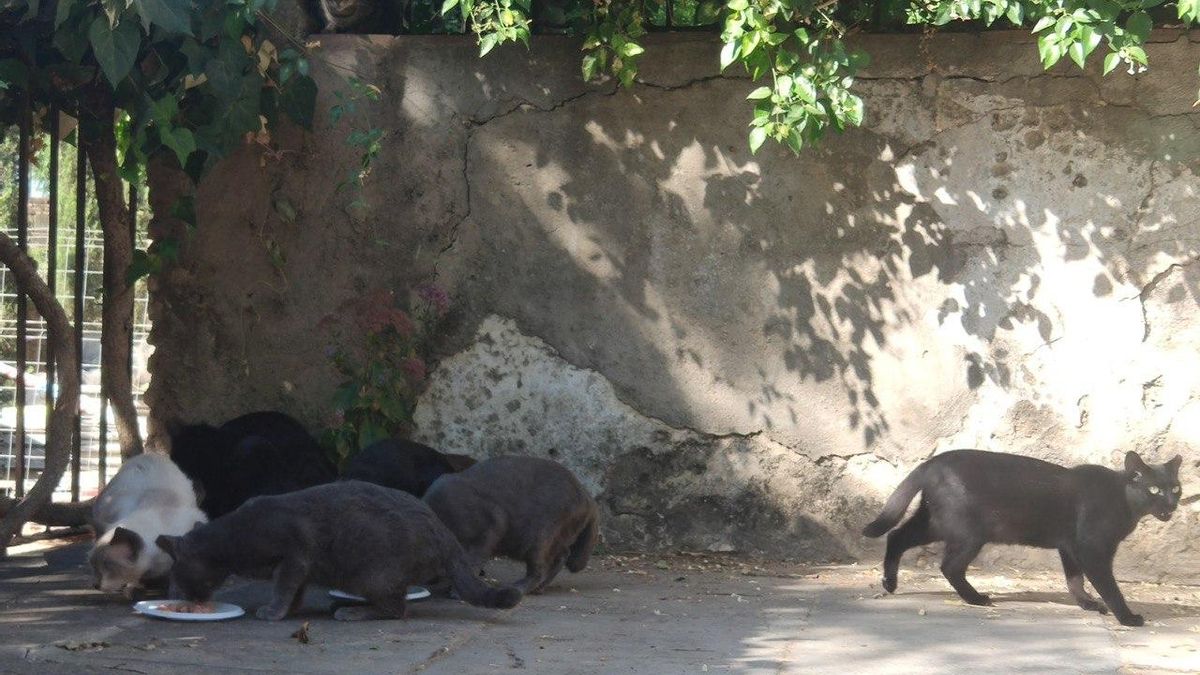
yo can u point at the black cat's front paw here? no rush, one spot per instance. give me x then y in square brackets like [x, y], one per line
[1135, 620]
[269, 613]
[889, 584]
[1093, 605]
[979, 600]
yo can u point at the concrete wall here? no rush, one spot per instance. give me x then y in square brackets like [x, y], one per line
[734, 352]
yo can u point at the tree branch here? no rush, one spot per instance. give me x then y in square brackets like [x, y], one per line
[100, 144]
[62, 420]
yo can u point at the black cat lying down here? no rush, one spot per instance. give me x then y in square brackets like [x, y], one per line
[259, 453]
[970, 498]
[529, 509]
[402, 465]
[365, 539]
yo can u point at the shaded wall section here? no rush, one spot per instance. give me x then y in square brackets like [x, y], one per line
[734, 352]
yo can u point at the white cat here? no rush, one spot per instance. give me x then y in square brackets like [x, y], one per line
[148, 497]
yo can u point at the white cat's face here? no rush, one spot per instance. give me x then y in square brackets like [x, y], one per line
[115, 569]
[118, 563]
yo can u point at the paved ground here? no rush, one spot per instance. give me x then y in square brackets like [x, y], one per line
[625, 614]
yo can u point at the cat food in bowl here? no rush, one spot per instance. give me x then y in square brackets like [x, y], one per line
[179, 610]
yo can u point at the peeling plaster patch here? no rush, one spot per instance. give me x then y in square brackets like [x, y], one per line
[661, 487]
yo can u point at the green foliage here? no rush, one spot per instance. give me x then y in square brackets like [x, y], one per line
[494, 22]
[798, 45]
[383, 366]
[610, 46]
[197, 80]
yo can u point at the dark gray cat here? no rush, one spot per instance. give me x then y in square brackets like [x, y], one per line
[970, 498]
[529, 509]
[354, 536]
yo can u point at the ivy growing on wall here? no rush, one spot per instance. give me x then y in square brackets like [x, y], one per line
[796, 50]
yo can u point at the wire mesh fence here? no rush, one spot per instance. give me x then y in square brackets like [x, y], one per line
[48, 207]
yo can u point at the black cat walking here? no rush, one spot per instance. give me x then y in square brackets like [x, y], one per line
[970, 498]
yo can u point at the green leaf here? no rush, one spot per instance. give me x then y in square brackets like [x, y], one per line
[854, 110]
[180, 140]
[62, 12]
[1042, 24]
[173, 16]
[1075, 51]
[630, 49]
[371, 432]
[1016, 13]
[757, 136]
[1188, 10]
[728, 54]
[13, 71]
[283, 207]
[142, 264]
[1140, 24]
[1111, 61]
[116, 48]
[448, 5]
[591, 65]
[760, 93]
[487, 43]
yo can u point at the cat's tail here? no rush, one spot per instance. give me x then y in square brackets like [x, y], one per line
[897, 504]
[475, 591]
[581, 550]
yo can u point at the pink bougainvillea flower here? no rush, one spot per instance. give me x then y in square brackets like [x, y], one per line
[436, 296]
[414, 369]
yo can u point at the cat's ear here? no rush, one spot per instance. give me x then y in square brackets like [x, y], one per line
[126, 537]
[1173, 465]
[169, 544]
[1134, 464]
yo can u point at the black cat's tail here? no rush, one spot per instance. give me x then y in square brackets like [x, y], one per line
[475, 591]
[581, 550]
[897, 504]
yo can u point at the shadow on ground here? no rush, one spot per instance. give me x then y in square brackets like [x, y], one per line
[648, 615]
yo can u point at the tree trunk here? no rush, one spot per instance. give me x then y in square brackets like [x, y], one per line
[100, 145]
[169, 187]
[62, 421]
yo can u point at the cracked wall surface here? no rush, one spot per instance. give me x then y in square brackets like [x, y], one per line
[734, 352]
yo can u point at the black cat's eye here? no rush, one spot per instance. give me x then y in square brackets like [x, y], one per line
[1176, 490]
[1153, 489]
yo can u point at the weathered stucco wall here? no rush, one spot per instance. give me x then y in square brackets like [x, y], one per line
[735, 352]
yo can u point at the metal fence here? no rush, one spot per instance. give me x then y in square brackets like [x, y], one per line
[68, 245]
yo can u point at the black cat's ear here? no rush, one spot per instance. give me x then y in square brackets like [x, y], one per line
[127, 537]
[1173, 465]
[169, 544]
[1134, 464]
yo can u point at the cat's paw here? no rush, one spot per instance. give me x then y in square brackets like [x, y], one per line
[269, 613]
[1134, 620]
[889, 584]
[1093, 605]
[980, 600]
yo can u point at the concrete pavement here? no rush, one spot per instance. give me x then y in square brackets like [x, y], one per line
[652, 614]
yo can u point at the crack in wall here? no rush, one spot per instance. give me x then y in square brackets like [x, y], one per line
[1151, 285]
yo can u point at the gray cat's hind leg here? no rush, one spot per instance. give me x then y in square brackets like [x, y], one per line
[290, 577]
[385, 606]
[554, 570]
